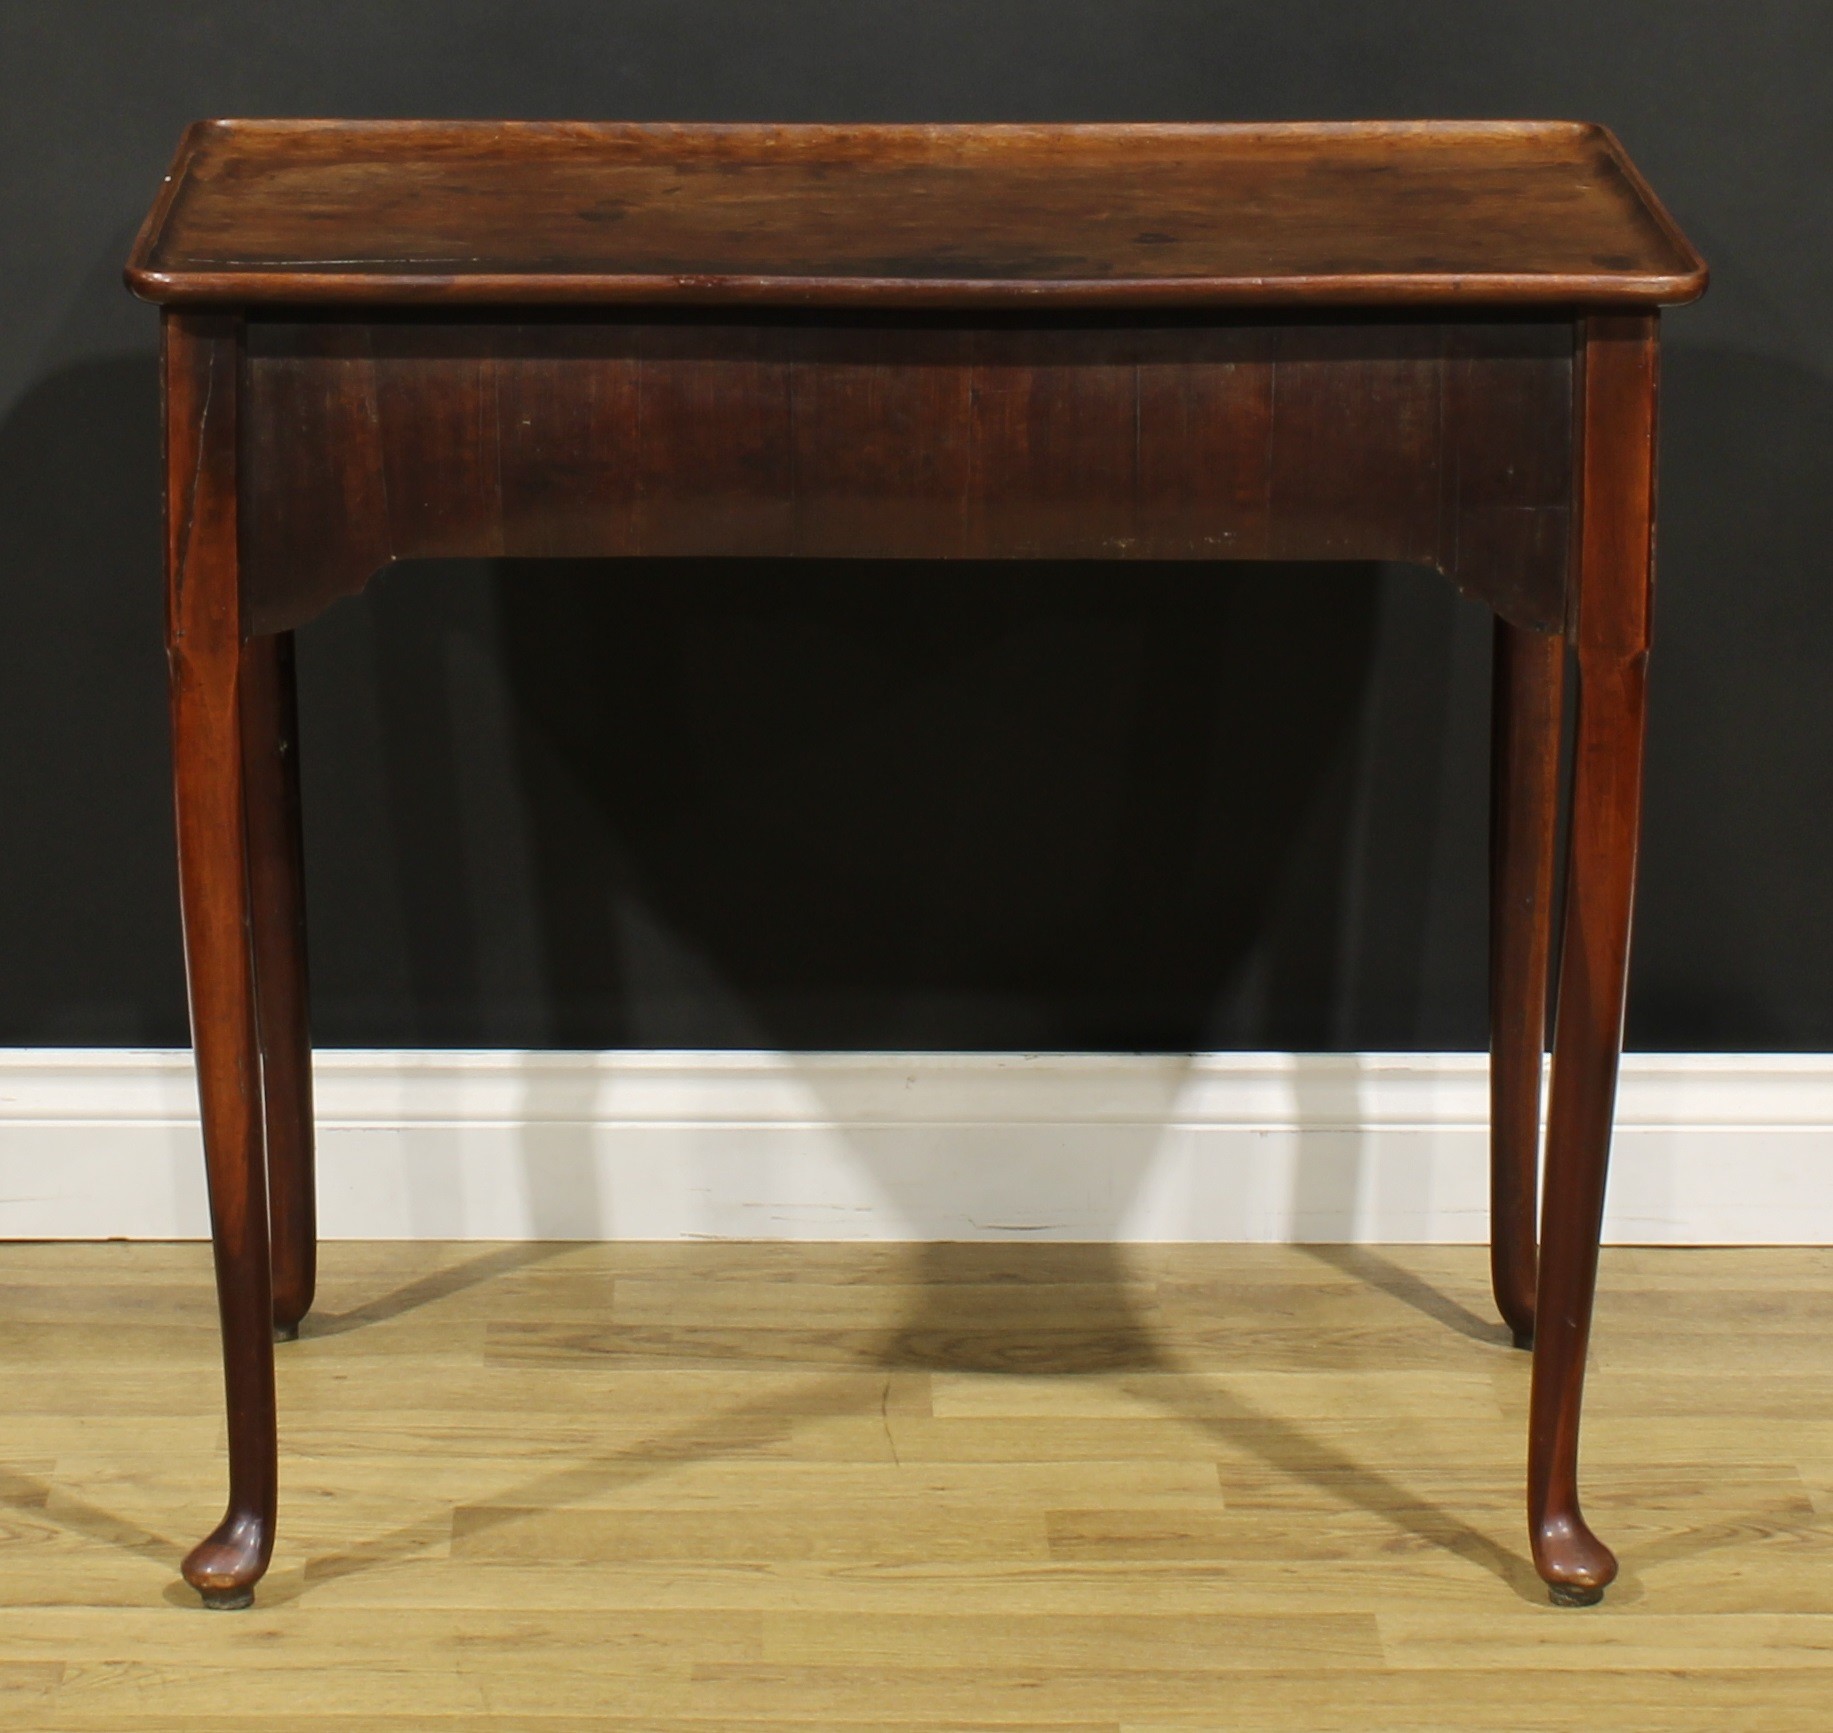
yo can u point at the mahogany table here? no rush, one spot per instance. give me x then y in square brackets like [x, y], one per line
[1431, 342]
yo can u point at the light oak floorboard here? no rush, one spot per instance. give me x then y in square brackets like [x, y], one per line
[876, 1489]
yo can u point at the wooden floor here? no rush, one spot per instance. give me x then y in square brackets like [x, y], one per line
[1089, 1488]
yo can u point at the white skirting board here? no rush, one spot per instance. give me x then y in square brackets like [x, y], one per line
[1715, 1149]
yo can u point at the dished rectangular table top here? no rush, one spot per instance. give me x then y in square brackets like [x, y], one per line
[1453, 213]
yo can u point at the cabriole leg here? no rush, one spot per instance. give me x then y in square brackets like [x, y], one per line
[1606, 801]
[205, 657]
[1615, 497]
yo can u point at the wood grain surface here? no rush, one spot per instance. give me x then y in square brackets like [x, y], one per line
[202, 368]
[372, 440]
[897, 1487]
[1465, 212]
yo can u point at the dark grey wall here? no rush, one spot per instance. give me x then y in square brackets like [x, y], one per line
[908, 806]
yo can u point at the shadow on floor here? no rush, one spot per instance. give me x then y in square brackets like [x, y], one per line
[1109, 1335]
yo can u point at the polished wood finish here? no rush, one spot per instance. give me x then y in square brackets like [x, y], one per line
[1382, 213]
[977, 358]
[204, 650]
[686, 1488]
[814, 436]
[1615, 558]
[1527, 686]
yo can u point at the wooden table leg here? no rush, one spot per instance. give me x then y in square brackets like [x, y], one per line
[1616, 501]
[203, 640]
[1523, 814]
[276, 873]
